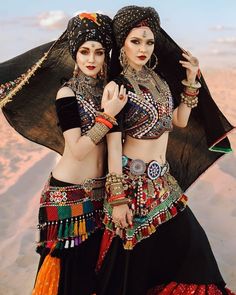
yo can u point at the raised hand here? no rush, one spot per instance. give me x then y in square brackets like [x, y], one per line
[113, 99]
[192, 66]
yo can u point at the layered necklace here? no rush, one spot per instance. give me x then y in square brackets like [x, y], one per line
[88, 86]
[150, 80]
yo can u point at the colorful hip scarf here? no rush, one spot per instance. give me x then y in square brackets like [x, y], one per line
[69, 214]
[155, 197]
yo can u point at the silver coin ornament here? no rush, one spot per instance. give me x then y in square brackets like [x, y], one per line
[137, 167]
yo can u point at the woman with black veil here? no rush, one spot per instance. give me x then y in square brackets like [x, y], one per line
[153, 244]
[74, 124]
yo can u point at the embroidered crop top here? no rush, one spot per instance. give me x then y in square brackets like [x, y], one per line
[77, 111]
[147, 117]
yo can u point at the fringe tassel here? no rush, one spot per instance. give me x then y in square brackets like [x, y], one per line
[146, 230]
[68, 233]
[9, 89]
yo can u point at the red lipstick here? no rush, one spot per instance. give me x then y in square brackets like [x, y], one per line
[142, 57]
[91, 67]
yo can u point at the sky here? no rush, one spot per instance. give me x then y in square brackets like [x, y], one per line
[205, 27]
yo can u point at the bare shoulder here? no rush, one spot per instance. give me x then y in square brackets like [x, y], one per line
[64, 92]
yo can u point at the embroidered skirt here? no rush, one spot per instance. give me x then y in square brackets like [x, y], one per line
[70, 227]
[166, 251]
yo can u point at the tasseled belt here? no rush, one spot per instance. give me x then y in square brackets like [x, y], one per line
[69, 214]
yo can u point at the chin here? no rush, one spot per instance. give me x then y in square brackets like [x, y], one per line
[90, 73]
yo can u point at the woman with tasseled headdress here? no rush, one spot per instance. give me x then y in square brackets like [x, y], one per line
[70, 214]
[153, 244]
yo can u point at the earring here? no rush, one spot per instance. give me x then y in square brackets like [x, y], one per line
[155, 62]
[76, 71]
[123, 59]
[103, 72]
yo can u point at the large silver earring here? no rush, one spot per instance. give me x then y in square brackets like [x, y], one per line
[155, 62]
[123, 59]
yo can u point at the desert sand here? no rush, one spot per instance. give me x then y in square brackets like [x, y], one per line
[24, 168]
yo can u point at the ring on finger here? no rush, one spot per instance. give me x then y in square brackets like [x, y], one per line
[121, 96]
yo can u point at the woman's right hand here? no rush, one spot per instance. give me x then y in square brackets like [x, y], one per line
[122, 216]
[113, 99]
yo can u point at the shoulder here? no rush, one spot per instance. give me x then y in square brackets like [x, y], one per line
[64, 92]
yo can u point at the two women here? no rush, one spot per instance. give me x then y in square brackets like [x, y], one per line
[152, 243]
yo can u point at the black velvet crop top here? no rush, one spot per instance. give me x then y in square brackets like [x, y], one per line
[146, 118]
[77, 111]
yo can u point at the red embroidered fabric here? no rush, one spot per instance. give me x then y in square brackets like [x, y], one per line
[174, 288]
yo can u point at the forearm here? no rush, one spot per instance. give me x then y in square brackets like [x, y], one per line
[114, 145]
[181, 115]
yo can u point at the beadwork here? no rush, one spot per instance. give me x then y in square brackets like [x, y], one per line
[68, 215]
[148, 114]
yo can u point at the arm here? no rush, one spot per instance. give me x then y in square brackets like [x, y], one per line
[81, 146]
[181, 115]
[182, 112]
[121, 214]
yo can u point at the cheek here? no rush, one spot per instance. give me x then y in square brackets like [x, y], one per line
[151, 50]
[130, 51]
[80, 59]
[100, 59]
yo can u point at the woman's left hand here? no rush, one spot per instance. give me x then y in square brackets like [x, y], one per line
[192, 66]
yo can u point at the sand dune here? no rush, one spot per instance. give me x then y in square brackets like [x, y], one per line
[24, 168]
[18, 219]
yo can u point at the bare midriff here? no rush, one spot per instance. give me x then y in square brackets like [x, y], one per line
[71, 170]
[146, 149]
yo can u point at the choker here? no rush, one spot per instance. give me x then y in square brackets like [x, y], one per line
[88, 86]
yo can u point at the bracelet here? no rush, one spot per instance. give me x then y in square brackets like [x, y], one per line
[108, 117]
[195, 85]
[104, 121]
[116, 188]
[117, 197]
[191, 94]
[191, 90]
[124, 201]
[114, 177]
[191, 102]
[97, 132]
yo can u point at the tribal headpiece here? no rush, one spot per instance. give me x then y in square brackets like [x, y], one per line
[31, 80]
[133, 16]
[85, 27]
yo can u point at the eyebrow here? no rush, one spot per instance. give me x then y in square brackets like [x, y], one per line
[83, 47]
[137, 38]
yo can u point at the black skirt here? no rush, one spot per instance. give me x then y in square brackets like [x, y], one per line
[77, 274]
[178, 251]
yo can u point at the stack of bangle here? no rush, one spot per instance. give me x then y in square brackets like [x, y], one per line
[104, 123]
[115, 190]
[189, 95]
[107, 117]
